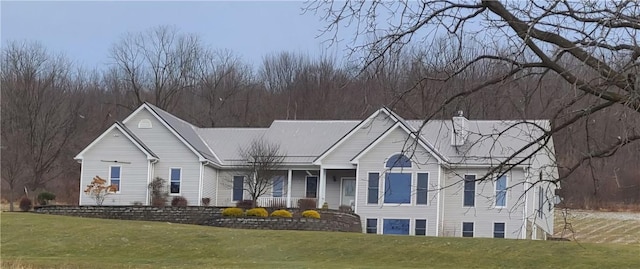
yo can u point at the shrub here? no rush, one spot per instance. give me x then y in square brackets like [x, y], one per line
[245, 204]
[307, 203]
[258, 212]
[158, 192]
[179, 201]
[312, 214]
[281, 213]
[25, 203]
[345, 208]
[233, 212]
[44, 198]
[206, 201]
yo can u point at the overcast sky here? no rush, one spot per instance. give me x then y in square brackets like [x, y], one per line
[85, 31]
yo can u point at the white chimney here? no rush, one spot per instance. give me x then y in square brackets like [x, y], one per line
[460, 131]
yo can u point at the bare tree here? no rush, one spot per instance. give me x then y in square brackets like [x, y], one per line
[157, 65]
[41, 100]
[591, 47]
[262, 162]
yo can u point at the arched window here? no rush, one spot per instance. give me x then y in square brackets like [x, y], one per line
[398, 160]
[144, 124]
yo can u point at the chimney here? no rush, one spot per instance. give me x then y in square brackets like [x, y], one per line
[460, 131]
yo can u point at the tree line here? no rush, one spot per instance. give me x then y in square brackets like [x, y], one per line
[52, 108]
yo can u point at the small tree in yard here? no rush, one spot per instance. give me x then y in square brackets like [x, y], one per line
[159, 193]
[263, 159]
[98, 189]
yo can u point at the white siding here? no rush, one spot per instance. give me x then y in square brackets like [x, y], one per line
[374, 161]
[172, 154]
[209, 183]
[484, 213]
[133, 173]
[334, 188]
[362, 137]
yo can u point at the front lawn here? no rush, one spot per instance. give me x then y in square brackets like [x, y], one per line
[43, 241]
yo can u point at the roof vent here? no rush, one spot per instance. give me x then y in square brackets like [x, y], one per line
[144, 124]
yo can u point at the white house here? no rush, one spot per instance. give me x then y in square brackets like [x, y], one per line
[401, 176]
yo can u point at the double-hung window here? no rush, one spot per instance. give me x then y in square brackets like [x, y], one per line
[312, 187]
[114, 177]
[501, 191]
[421, 191]
[469, 190]
[372, 226]
[372, 191]
[421, 227]
[176, 176]
[498, 230]
[238, 188]
[467, 229]
[278, 186]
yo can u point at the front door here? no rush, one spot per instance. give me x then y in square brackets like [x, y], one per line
[348, 196]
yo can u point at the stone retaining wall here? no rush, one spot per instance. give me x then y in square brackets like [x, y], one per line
[331, 220]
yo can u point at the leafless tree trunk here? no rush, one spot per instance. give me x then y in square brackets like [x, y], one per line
[262, 162]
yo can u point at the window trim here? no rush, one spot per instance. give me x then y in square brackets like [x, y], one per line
[180, 182]
[473, 231]
[504, 231]
[366, 225]
[306, 184]
[233, 180]
[506, 190]
[415, 200]
[119, 178]
[475, 188]
[378, 192]
[399, 167]
[426, 226]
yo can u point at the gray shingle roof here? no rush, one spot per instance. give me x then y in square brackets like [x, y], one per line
[303, 141]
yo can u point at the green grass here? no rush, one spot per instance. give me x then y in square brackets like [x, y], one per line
[43, 241]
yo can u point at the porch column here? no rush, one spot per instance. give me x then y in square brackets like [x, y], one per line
[289, 188]
[323, 187]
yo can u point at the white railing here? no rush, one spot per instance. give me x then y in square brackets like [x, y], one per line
[278, 201]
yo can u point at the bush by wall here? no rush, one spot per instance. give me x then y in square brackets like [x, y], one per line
[257, 212]
[306, 203]
[312, 214]
[281, 213]
[233, 212]
[179, 201]
[25, 203]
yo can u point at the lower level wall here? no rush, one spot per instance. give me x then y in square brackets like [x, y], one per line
[331, 220]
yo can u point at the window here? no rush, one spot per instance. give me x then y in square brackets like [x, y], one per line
[176, 175]
[469, 190]
[312, 187]
[498, 230]
[421, 189]
[501, 191]
[114, 177]
[278, 186]
[540, 201]
[372, 226]
[398, 160]
[238, 188]
[397, 188]
[421, 227]
[467, 229]
[395, 226]
[372, 194]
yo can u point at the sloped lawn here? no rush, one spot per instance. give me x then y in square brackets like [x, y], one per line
[41, 241]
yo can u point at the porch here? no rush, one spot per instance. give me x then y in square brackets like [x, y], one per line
[333, 186]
